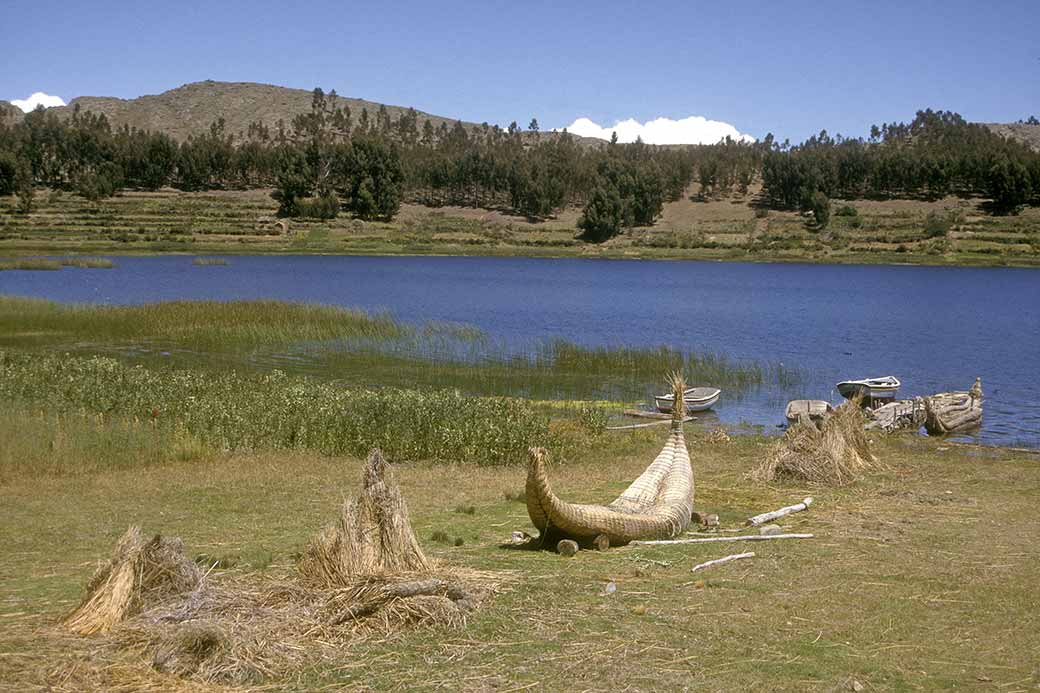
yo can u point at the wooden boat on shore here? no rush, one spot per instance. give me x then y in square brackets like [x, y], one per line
[870, 388]
[814, 410]
[695, 398]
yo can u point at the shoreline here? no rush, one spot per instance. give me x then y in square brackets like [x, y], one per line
[450, 251]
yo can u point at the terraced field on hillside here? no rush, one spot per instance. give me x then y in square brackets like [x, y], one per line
[947, 231]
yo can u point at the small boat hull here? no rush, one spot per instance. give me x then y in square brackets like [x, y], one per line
[695, 399]
[869, 388]
[813, 409]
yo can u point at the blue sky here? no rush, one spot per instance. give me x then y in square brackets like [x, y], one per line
[786, 67]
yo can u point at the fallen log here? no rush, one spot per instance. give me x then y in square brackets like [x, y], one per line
[725, 559]
[707, 540]
[770, 516]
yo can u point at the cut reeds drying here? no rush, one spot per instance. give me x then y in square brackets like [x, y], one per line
[364, 575]
[835, 454]
[372, 536]
[139, 574]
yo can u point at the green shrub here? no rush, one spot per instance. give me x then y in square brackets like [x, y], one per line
[937, 225]
[846, 211]
[325, 207]
[820, 206]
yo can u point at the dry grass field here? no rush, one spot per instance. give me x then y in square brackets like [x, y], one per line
[921, 577]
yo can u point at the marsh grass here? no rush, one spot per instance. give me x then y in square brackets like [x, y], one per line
[30, 264]
[209, 261]
[88, 262]
[202, 325]
[358, 349]
[235, 411]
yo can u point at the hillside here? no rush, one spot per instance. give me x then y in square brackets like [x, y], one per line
[1023, 132]
[191, 108]
[9, 114]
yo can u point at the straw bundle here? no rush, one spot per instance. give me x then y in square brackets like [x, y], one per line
[372, 535]
[657, 505]
[366, 574]
[835, 454]
[139, 574]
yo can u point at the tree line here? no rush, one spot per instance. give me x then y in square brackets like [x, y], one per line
[938, 153]
[331, 159]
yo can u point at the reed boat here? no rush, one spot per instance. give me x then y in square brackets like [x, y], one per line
[870, 388]
[695, 398]
[657, 505]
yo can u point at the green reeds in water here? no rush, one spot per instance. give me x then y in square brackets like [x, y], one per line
[209, 261]
[88, 262]
[30, 264]
[363, 350]
[237, 326]
[52, 265]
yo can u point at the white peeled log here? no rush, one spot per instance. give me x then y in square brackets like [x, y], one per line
[770, 516]
[710, 540]
[724, 559]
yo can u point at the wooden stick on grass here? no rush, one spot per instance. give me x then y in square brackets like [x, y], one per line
[770, 516]
[706, 540]
[725, 559]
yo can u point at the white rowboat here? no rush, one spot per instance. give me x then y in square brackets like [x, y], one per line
[870, 388]
[695, 399]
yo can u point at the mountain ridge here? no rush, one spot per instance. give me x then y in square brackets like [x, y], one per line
[191, 108]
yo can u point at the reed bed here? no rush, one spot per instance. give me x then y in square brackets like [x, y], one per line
[30, 264]
[363, 350]
[88, 262]
[236, 411]
[199, 325]
[209, 261]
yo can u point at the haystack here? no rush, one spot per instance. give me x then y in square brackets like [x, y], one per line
[836, 453]
[139, 575]
[657, 505]
[372, 535]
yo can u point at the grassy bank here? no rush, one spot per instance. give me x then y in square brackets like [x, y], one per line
[361, 350]
[949, 231]
[920, 578]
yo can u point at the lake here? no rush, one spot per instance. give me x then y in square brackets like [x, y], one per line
[936, 328]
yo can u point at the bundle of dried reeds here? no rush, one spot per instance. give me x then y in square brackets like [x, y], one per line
[139, 574]
[366, 574]
[372, 535]
[835, 454]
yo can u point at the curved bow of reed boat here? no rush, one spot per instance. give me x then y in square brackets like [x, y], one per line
[658, 504]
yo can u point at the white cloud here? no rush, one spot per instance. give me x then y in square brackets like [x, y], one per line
[692, 130]
[38, 99]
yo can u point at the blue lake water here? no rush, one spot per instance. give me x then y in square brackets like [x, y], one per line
[936, 328]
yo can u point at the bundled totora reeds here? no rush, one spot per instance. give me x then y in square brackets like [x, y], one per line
[372, 535]
[836, 454]
[139, 574]
[366, 574]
